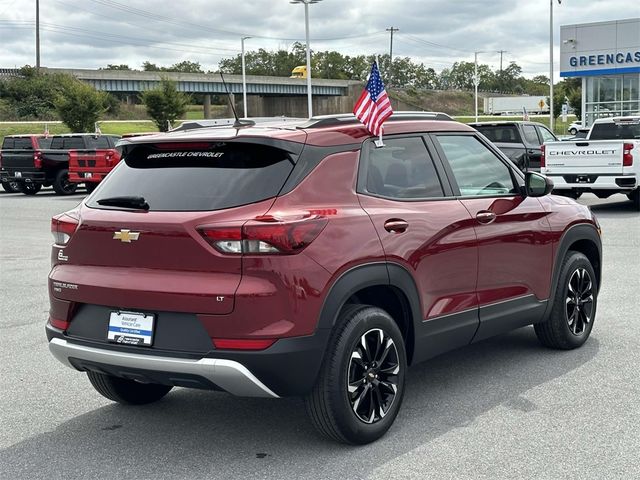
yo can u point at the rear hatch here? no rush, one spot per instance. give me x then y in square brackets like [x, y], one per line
[584, 157]
[127, 256]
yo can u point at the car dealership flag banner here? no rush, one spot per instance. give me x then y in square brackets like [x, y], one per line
[373, 107]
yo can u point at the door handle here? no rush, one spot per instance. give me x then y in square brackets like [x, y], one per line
[396, 225]
[485, 217]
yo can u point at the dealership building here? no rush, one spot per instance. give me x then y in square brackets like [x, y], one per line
[606, 55]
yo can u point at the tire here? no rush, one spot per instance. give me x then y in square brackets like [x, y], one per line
[62, 185]
[570, 321]
[635, 198]
[573, 131]
[10, 187]
[127, 392]
[347, 417]
[29, 188]
[90, 187]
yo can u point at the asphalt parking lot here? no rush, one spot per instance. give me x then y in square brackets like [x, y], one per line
[503, 408]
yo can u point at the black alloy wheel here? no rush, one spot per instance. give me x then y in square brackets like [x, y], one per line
[573, 310]
[62, 185]
[373, 376]
[579, 301]
[360, 386]
[29, 188]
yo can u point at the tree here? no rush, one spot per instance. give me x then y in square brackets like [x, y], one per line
[182, 67]
[165, 103]
[112, 66]
[79, 105]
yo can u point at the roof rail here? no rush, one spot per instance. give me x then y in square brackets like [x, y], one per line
[346, 118]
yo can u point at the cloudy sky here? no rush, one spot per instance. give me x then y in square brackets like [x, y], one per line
[94, 33]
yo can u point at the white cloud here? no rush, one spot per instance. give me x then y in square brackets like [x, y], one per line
[93, 33]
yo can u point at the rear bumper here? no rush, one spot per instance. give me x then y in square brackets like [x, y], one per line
[86, 177]
[287, 368]
[24, 176]
[229, 375]
[594, 182]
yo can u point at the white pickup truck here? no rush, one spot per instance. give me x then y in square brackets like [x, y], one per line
[604, 163]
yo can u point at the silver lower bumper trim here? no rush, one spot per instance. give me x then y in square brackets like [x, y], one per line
[229, 375]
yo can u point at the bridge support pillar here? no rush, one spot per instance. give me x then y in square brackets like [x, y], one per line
[207, 106]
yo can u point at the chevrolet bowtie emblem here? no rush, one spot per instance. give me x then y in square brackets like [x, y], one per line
[126, 236]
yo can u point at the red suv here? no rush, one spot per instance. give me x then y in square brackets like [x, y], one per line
[311, 261]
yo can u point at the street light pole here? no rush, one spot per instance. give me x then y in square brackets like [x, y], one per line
[306, 30]
[38, 35]
[244, 79]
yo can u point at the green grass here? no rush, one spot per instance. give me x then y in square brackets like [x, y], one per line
[115, 128]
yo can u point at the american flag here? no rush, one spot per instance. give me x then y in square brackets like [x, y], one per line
[373, 107]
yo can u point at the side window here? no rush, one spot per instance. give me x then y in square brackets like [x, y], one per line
[476, 169]
[530, 134]
[402, 169]
[546, 135]
[76, 143]
[8, 143]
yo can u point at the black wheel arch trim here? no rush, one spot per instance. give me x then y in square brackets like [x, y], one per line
[575, 233]
[370, 275]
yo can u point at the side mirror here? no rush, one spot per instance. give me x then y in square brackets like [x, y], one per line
[537, 185]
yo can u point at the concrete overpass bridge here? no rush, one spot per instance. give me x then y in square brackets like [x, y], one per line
[266, 96]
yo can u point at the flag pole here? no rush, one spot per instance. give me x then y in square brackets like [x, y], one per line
[379, 143]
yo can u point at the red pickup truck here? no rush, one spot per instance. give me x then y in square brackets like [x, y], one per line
[90, 166]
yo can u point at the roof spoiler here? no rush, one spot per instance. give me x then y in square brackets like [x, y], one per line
[347, 118]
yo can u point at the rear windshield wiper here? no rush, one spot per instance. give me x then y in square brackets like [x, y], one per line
[125, 201]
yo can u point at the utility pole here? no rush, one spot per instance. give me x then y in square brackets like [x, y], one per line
[38, 35]
[391, 30]
[501, 52]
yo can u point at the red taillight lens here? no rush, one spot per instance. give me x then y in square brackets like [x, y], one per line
[37, 159]
[61, 324]
[627, 157]
[266, 235]
[543, 161]
[243, 344]
[63, 226]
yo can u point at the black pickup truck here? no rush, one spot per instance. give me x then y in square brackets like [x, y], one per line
[520, 141]
[32, 161]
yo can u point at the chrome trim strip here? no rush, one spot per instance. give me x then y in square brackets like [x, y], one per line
[450, 314]
[480, 307]
[229, 375]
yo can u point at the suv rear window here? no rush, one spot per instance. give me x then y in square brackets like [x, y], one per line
[500, 133]
[184, 178]
[615, 131]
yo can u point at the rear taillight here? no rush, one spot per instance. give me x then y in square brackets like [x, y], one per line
[627, 157]
[266, 235]
[110, 158]
[63, 227]
[37, 159]
[243, 344]
[543, 161]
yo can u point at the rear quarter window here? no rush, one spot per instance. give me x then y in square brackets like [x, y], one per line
[500, 133]
[222, 175]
